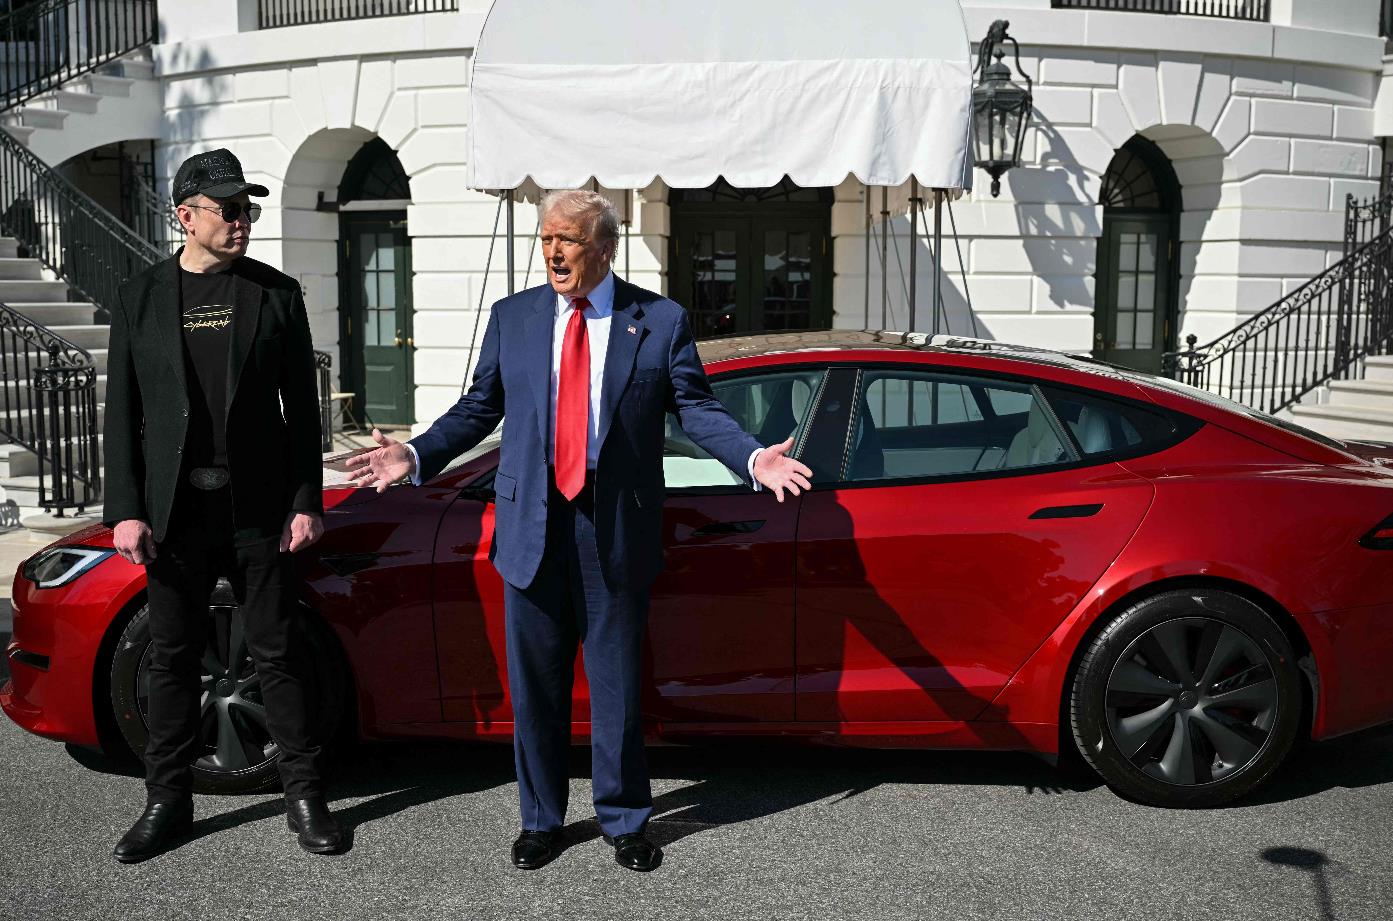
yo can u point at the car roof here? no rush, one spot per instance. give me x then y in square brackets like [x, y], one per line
[807, 344]
[727, 348]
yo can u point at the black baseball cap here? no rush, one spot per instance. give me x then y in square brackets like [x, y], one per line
[215, 173]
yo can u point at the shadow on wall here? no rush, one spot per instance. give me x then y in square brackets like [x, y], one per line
[885, 301]
[1061, 237]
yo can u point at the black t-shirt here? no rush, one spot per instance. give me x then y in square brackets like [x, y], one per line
[205, 307]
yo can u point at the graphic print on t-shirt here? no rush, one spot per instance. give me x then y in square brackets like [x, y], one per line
[215, 317]
[205, 315]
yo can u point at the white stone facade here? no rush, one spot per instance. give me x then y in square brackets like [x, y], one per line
[1268, 125]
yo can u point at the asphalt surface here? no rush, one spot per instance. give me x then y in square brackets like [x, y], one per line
[749, 831]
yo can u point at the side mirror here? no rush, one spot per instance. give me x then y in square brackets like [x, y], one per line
[480, 493]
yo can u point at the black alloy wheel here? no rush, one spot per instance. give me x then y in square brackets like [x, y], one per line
[236, 752]
[1187, 699]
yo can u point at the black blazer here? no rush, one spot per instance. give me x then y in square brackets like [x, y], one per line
[273, 431]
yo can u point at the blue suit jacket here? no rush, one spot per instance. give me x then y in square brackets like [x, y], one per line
[651, 368]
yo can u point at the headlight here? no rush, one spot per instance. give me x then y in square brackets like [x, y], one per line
[61, 565]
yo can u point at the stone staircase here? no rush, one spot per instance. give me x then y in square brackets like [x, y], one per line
[118, 101]
[30, 289]
[1361, 408]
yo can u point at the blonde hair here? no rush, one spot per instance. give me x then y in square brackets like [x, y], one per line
[585, 204]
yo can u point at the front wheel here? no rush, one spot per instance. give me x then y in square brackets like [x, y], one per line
[237, 753]
[1187, 699]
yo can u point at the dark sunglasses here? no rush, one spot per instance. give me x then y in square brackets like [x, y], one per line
[232, 210]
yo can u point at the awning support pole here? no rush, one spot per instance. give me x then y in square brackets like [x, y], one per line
[938, 257]
[866, 193]
[913, 249]
[884, 255]
[512, 282]
[628, 222]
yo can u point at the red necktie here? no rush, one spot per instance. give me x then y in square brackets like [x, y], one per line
[573, 403]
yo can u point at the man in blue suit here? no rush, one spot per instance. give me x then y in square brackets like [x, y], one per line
[584, 369]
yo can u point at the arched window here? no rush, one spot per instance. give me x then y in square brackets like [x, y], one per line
[374, 174]
[1140, 178]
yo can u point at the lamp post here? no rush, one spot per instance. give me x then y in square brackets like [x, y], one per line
[1001, 109]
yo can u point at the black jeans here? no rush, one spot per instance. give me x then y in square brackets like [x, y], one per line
[200, 546]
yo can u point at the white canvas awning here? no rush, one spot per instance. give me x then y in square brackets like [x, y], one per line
[626, 92]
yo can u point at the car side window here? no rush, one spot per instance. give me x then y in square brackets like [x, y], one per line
[1101, 426]
[771, 407]
[912, 424]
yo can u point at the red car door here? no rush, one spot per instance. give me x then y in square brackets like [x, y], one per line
[968, 520]
[721, 626]
[720, 646]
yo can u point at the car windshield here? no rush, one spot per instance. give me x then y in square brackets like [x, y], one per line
[489, 443]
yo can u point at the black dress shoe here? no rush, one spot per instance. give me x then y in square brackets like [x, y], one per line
[159, 826]
[316, 827]
[534, 849]
[636, 852]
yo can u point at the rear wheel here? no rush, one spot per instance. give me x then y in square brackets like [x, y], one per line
[1187, 699]
[237, 753]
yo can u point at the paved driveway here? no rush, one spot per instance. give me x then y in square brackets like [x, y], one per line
[749, 831]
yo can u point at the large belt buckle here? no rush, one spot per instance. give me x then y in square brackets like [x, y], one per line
[208, 478]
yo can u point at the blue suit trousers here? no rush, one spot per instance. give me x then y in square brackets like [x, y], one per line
[568, 603]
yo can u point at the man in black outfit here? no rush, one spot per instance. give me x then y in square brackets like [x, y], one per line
[213, 468]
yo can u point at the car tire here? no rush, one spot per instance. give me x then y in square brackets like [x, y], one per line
[252, 765]
[1187, 699]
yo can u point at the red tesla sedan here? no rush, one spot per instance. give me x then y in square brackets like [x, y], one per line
[1004, 548]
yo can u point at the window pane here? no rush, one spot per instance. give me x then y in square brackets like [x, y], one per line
[1126, 330]
[893, 440]
[1146, 291]
[1128, 262]
[1146, 322]
[1104, 426]
[1126, 291]
[770, 407]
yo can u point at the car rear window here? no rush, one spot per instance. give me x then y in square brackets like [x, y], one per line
[1107, 427]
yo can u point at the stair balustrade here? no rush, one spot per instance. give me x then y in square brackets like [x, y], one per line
[63, 227]
[47, 43]
[1320, 332]
[48, 404]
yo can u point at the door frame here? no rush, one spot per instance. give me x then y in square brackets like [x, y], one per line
[1172, 204]
[352, 372]
[750, 219]
[1167, 276]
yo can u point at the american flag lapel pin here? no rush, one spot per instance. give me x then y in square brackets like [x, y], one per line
[633, 331]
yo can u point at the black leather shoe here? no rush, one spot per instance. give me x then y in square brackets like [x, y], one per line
[311, 820]
[534, 849]
[636, 852]
[159, 826]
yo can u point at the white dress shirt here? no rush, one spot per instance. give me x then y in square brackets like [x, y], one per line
[597, 323]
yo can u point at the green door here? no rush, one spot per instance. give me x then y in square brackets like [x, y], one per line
[376, 318]
[1132, 323]
[752, 260]
[753, 273]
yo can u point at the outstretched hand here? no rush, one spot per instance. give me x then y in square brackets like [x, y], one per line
[389, 462]
[776, 471]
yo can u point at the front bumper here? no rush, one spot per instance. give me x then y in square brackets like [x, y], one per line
[63, 628]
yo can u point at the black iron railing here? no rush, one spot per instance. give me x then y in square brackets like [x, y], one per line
[58, 224]
[323, 366]
[1249, 10]
[1320, 332]
[48, 403]
[272, 14]
[1365, 218]
[45, 44]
